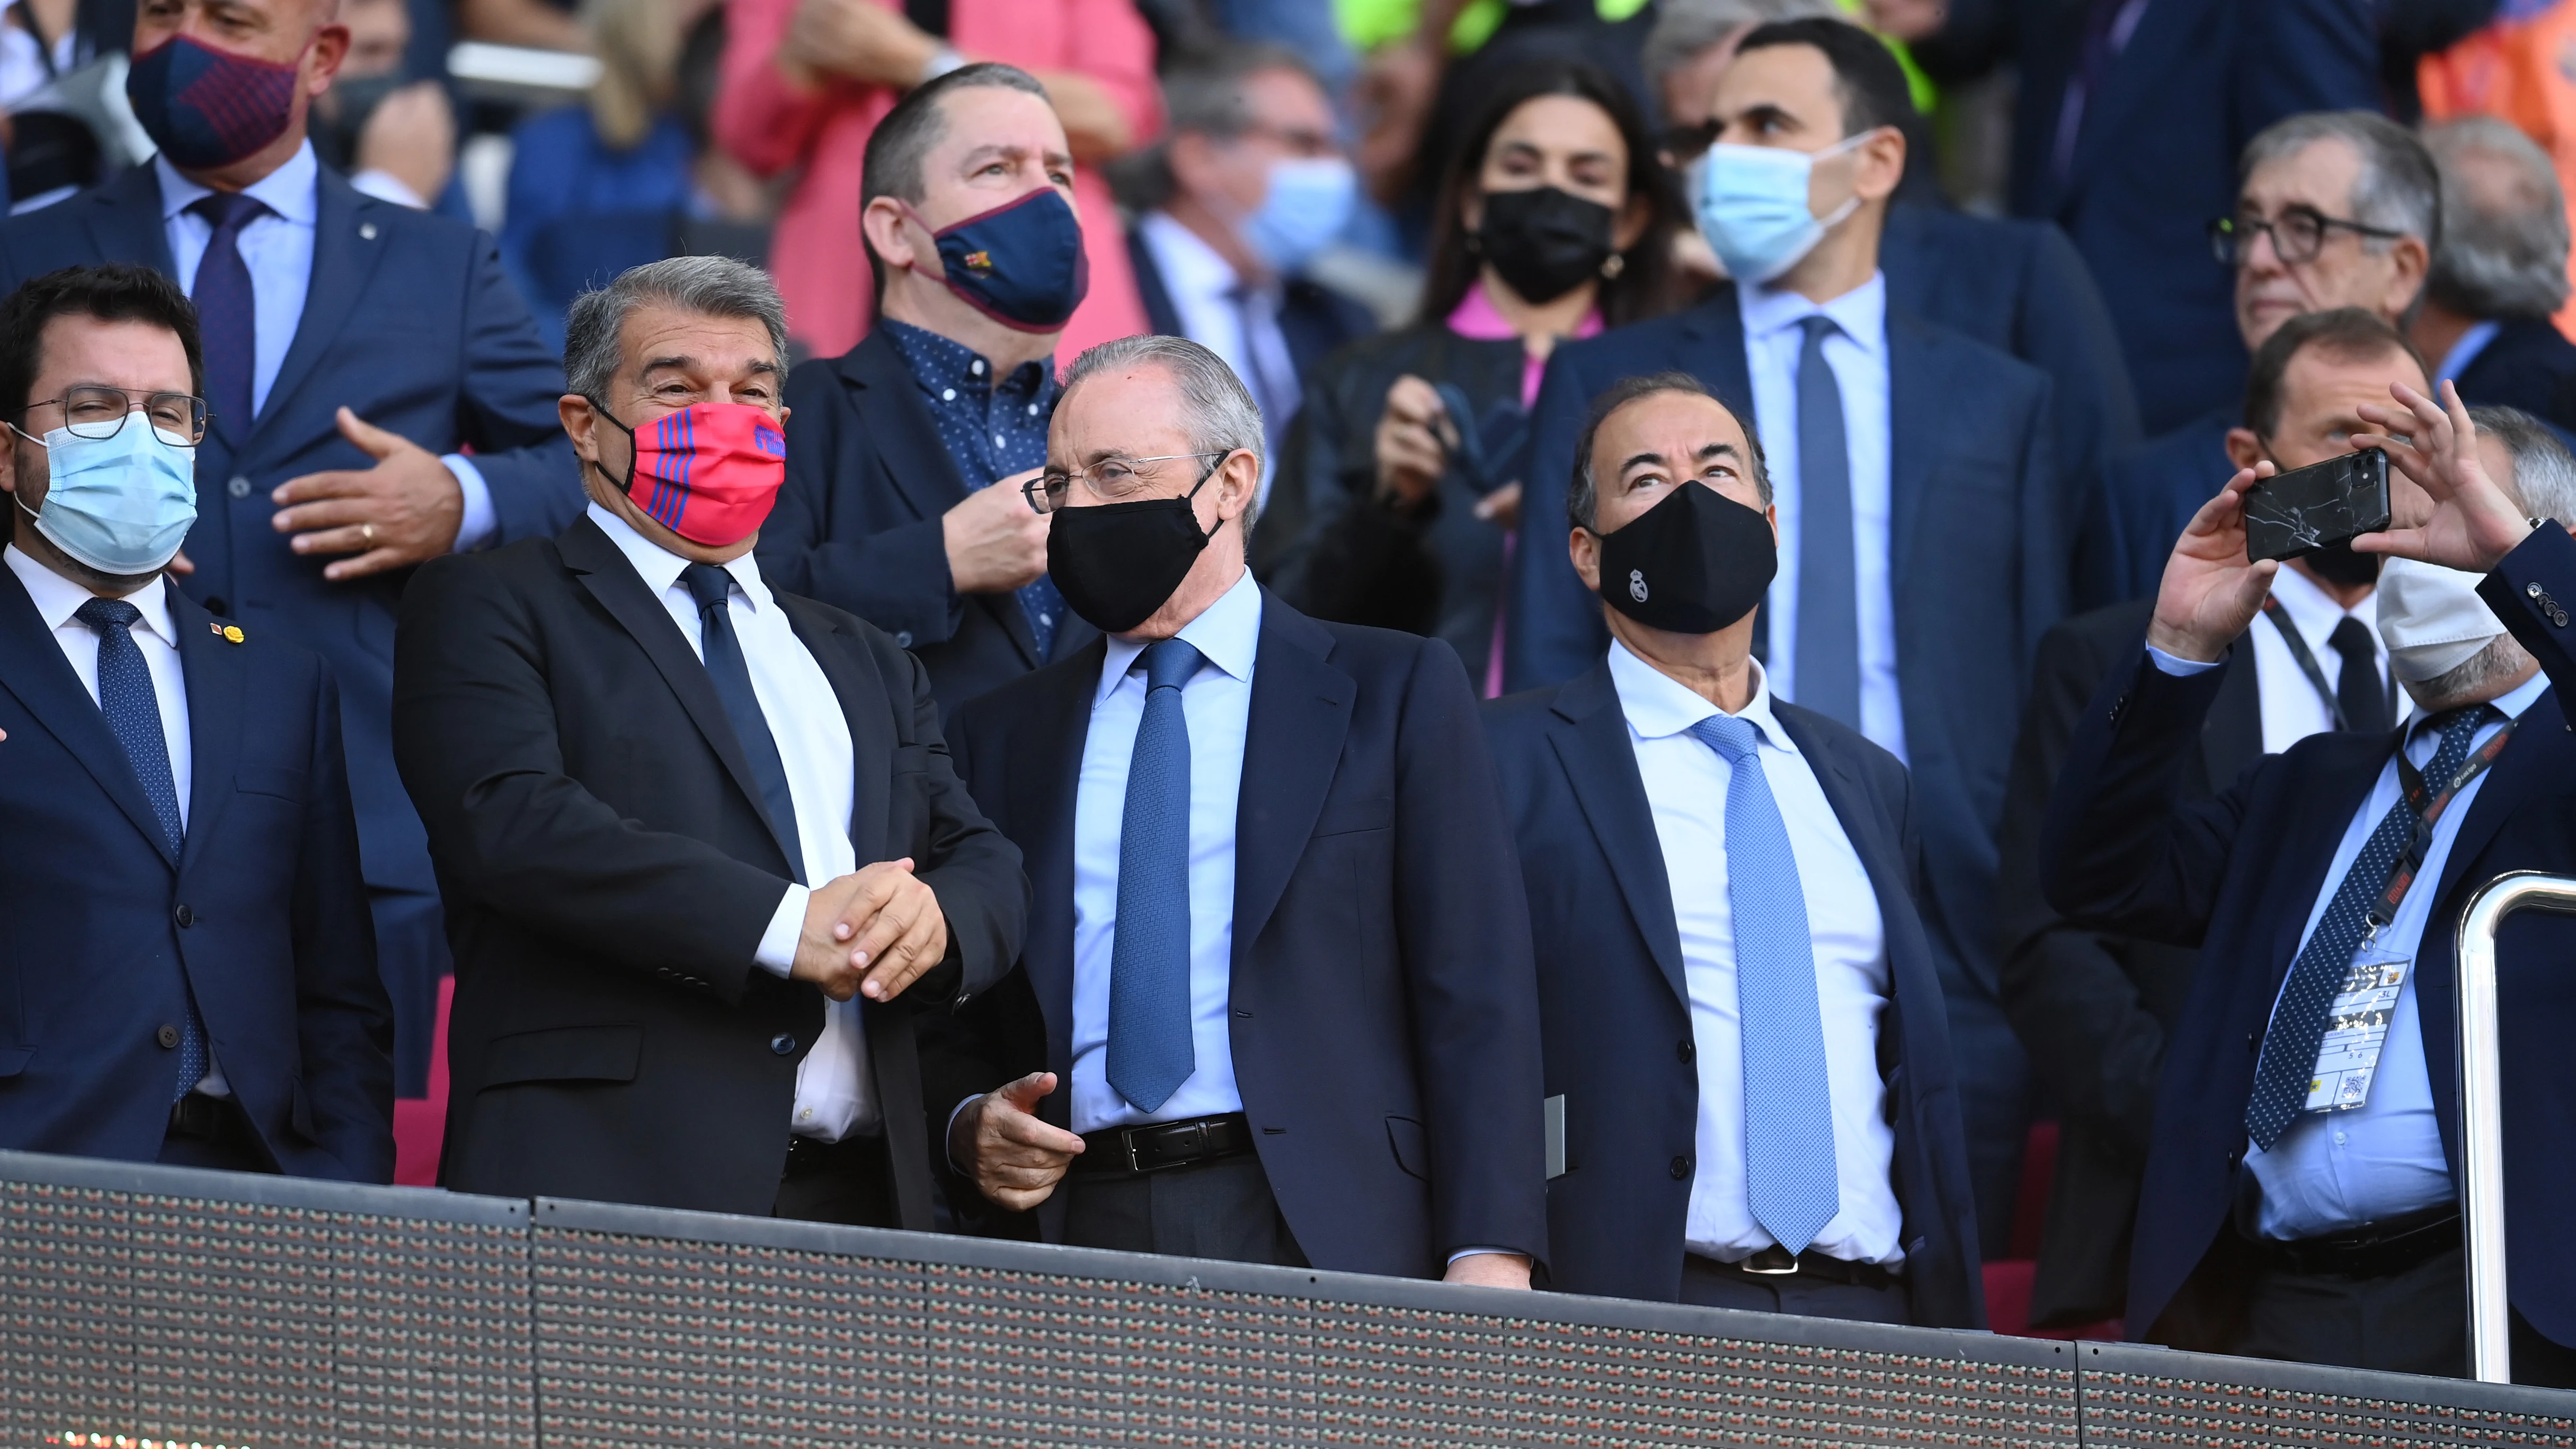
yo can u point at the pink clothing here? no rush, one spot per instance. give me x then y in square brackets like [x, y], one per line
[816, 254]
[1477, 320]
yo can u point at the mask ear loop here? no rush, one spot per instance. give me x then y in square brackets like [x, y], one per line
[937, 271]
[32, 515]
[626, 487]
[1851, 203]
[1193, 495]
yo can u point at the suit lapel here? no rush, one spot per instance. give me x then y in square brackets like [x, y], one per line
[1713, 338]
[216, 673]
[346, 249]
[2232, 738]
[33, 669]
[1915, 407]
[2520, 774]
[1043, 780]
[124, 219]
[1591, 743]
[1301, 711]
[863, 699]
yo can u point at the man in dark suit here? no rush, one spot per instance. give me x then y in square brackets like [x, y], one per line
[2301, 1198]
[2127, 127]
[185, 956]
[357, 352]
[891, 509]
[1925, 523]
[1799, 1149]
[1277, 1003]
[2500, 272]
[697, 837]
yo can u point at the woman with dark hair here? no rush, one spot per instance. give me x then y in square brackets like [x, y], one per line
[1398, 491]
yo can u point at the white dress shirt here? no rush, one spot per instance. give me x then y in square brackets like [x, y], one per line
[57, 599]
[1217, 702]
[278, 250]
[1686, 783]
[2292, 711]
[835, 1095]
[1857, 351]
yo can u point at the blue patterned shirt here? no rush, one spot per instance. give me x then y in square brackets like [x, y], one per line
[992, 428]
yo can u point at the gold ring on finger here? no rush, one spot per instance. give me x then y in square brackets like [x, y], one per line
[367, 531]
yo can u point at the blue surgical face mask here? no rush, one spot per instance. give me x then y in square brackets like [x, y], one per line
[1309, 203]
[1021, 263]
[1752, 206]
[121, 505]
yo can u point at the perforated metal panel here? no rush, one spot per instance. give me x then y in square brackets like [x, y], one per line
[2135, 1395]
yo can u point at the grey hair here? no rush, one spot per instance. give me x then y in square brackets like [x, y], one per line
[2474, 680]
[2504, 249]
[1218, 414]
[1204, 96]
[2398, 188]
[1583, 497]
[2543, 484]
[595, 328]
[1685, 29]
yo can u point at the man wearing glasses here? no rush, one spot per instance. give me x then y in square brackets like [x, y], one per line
[1276, 1003]
[187, 968]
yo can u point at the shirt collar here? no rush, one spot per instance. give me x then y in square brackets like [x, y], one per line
[943, 362]
[2311, 608]
[660, 568]
[1227, 633]
[2511, 704]
[1860, 313]
[287, 191]
[1189, 264]
[1659, 706]
[58, 598]
[2466, 350]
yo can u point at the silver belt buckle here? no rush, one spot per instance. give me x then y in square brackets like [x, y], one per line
[1775, 1254]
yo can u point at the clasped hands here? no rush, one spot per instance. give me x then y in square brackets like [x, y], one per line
[870, 933]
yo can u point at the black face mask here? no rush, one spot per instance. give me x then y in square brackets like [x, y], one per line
[1116, 563]
[2337, 564]
[1692, 564]
[1543, 241]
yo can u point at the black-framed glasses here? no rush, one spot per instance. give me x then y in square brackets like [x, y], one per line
[98, 413]
[1112, 480]
[2298, 235]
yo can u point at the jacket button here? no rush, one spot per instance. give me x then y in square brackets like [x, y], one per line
[2235, 1155]
[903, 638]
[239, 488]
[783, 1044]
[2119, 707]
[2253, 1041]
[1685, 1050]
[185, 917]
[1681, 1168]
[168, 1036]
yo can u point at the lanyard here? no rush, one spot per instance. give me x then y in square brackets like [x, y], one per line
[2308, 666]
[2428, 807]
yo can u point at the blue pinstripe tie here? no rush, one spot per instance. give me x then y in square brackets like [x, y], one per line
[1789, 1169]
[1150, 1052]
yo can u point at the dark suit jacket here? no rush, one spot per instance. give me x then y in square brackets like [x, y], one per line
[102, 933]
[1979, 563]
[2147, 498]
[2237, 876]
[857, 525]
[1612, 990]
[2094, 1009]
[2155, 154]
[1314, 319]
[608, 874]
[2528, 364]
[1386, 1037]
[410, 324]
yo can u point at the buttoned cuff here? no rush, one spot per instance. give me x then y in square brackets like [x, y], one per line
[2178, 667]
[386, 186]
[777, 953]
[480, 522]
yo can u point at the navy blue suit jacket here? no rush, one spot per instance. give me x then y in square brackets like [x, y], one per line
[1979, 569]
[2147, 498]
[2236, 876]
[1314, 319]
[1612, 990]
[262, 912]
[2528, 364]
[410, 324]
[1385, 1027]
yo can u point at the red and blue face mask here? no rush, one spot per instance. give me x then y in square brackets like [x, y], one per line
[206, 107]
[709, 472]
[1021, 263]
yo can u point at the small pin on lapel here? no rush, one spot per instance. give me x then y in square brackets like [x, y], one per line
[366, 231]
[232, 634]
[214, 628]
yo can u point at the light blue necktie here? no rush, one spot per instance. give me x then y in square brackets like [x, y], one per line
[1789, 1170]
[1828, 643]
[1150, 1053]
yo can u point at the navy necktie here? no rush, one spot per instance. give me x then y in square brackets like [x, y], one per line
[2358, 690]
[1828, 643]
[712, 587]
[2289, 1059]
[227, 313]
[1150, 1052]
[133, 710]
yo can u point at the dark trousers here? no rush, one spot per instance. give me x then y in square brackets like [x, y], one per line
[1222, 1209]
[849, 1182]
[2413, 1322]
[1706, 1285]
[411, 956]
[219, 1137]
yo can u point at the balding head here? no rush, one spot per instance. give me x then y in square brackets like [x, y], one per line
[233, 92]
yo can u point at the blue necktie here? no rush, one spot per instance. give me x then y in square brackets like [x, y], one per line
[1828, 643]
[133, 710]
[227, 315]
[1789, 1169]
[2289, 1059]
[1150, 1053]
[711, 587]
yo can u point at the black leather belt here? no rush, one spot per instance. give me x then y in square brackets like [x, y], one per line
[809, 1155]
[2375, 1250]
[1774, 1263]
[201, 1118]
[1158, 1145]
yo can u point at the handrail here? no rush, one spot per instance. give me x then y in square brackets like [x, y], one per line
[2482, 1105]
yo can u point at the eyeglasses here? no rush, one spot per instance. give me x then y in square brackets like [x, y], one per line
[98, 413]
[1112, 480]
[2298, 235]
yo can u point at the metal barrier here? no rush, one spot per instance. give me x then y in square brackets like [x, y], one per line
[145, 1307]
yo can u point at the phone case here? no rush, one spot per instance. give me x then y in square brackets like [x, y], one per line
[2316, 507]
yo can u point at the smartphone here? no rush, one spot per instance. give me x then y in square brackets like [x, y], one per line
[2316, 507]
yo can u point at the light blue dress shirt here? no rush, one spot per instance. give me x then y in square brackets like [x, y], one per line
[2466, 350]
[2336, 1170]
[1686, 784]
[1857, 350]
[1217, 702]
[278, 250]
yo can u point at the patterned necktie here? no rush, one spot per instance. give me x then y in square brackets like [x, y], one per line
[1790, 1174]
[711, 587]
[227, 314]
[1828, 643]
[1150, 1052]
[2289, 1059]
[2359, 694]
[133, 710]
